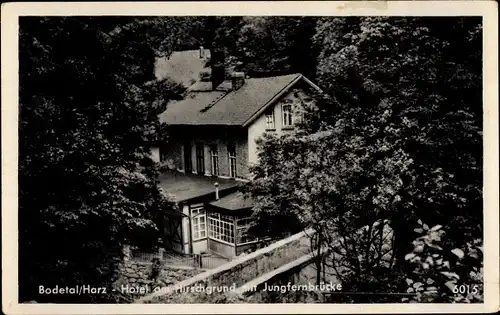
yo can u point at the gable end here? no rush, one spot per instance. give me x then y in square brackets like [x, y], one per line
[277, 96]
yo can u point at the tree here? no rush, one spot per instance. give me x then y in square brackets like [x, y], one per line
[396, 139]
[263, 46]
[313, 185]
[87, 109]
[418, 97]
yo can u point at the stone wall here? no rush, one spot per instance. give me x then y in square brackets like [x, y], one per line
[134, 276]
[297, 281]
[237, 272]
[276, 285]
[248, 278]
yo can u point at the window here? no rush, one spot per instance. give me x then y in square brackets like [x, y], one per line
[270, 120]
[188, 164]
[198, 221]
[200, 158]
[231, 151]
[221, 227]
[287, 115]
[214, 160]
[242, 226]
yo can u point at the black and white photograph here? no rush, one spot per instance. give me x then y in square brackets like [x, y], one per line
[249, 159]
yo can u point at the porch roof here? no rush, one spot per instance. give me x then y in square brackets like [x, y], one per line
[234, 201]
[185, 187]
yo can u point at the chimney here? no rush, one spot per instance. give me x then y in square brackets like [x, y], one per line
[201, 52]
[218, 68]
[237, 80]
[216, 190]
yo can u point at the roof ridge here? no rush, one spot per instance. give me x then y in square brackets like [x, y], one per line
[275, 76]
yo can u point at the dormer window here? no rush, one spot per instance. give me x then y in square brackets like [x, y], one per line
[270, 120]
[287, 115]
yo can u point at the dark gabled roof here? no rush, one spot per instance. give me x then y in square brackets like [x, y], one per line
[184, 187]
[234, 201]
[227, 107]
[182, 66]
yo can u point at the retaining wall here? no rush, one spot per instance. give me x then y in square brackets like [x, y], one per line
[235, 273]
[276, 285]
[134, 276]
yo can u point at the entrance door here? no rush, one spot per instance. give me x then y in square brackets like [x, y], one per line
[172, 232]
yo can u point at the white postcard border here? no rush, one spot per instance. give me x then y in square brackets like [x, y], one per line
[10, 89]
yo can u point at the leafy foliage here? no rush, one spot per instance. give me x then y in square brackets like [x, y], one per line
[277, 44]
[397, 137]
[263, 46]
[419, 96]
[87, 110]
[444, 275]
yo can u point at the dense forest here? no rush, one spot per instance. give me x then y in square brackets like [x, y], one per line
[390, 160]
[395, 140]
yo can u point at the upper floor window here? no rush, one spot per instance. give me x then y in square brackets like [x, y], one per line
[270, 120]
[214, 160]
[199, 223]
[200, 158]
[188, 164]
[287, 115]
[231, 150]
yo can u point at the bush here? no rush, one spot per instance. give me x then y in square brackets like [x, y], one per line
[442, 274]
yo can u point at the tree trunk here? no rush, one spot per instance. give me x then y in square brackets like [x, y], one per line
[403, 237]
[318, 257]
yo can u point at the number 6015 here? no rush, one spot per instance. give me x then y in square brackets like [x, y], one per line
[464, 288]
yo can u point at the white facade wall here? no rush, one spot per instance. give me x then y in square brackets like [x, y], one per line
[186, 229]
[155, 154]
[200, 246]
[258, 127]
